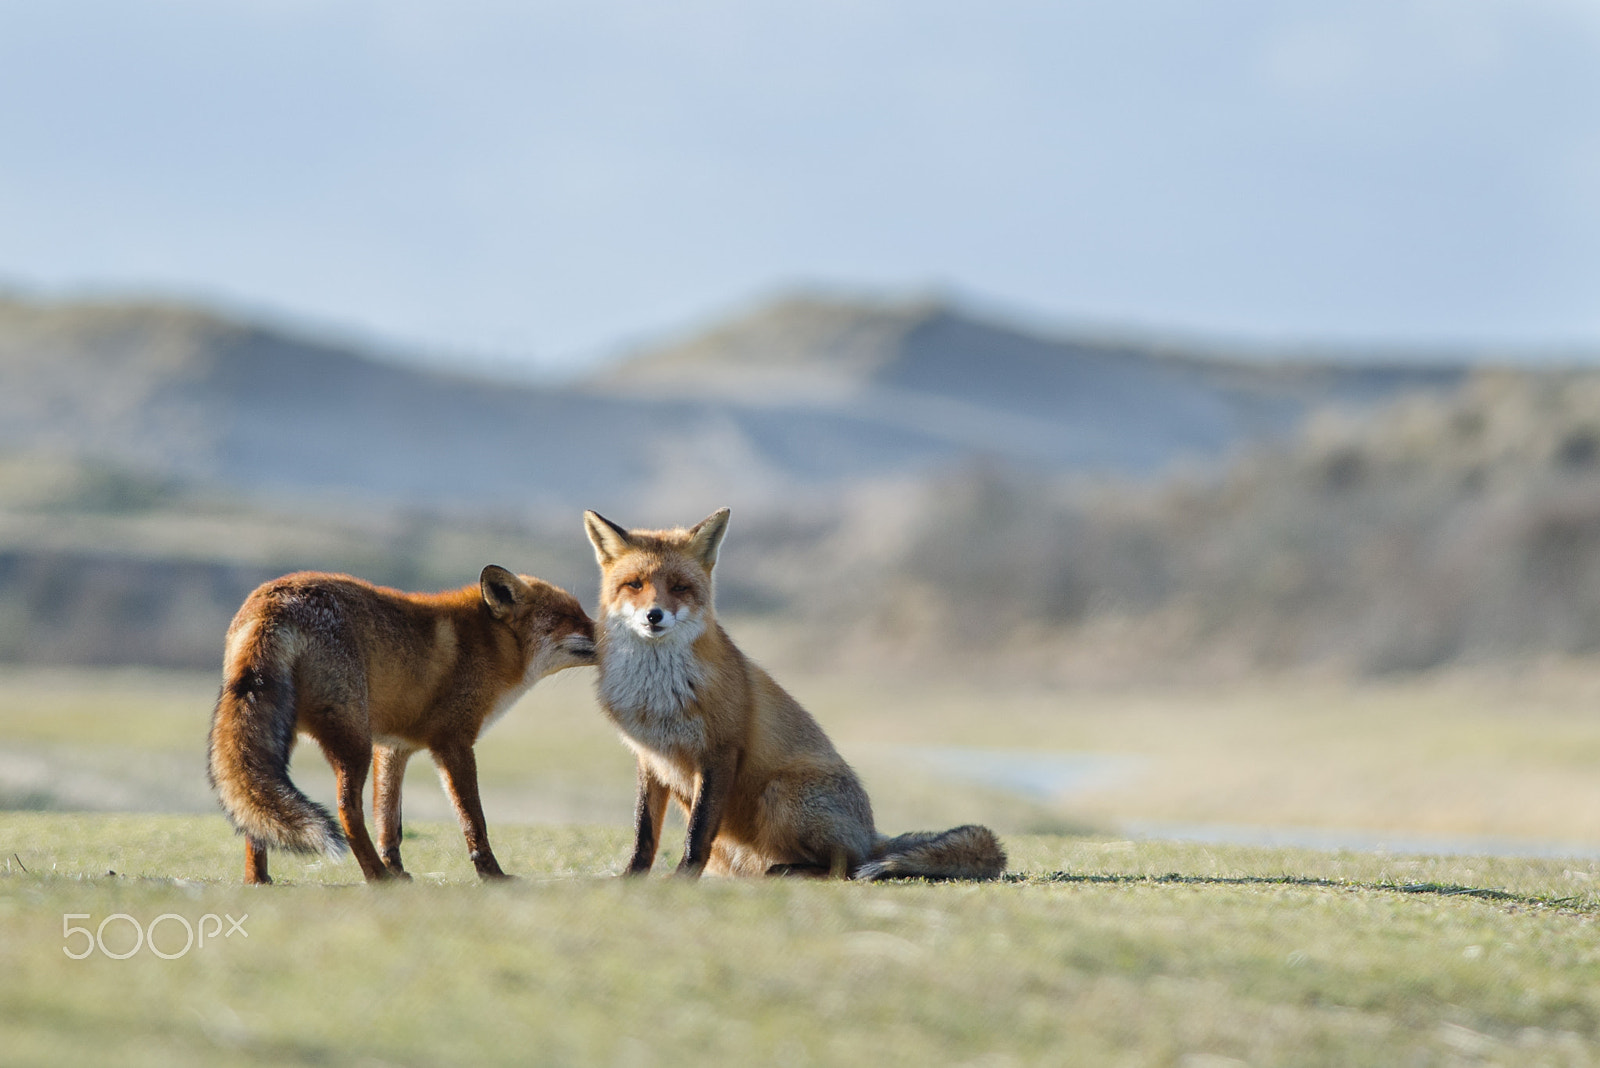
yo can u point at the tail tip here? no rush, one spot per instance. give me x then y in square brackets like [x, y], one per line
[333, 845]
[872, 869]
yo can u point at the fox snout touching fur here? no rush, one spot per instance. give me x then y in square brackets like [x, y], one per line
[374, 675]
[764, 788]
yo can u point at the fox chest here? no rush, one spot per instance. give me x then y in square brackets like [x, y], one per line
[650, 695]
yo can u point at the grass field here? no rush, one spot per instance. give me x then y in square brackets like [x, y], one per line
[1511, 755]
[1096, 950]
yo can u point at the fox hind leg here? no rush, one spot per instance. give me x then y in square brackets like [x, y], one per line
[837, 868]
[819, 826]
[255, 862]
[388, 775]
[349, 752]
[799, 871]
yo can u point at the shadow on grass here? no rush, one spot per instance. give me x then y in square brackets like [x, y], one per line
[1570, 904]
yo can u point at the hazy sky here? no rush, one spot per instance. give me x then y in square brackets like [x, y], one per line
[545, 181]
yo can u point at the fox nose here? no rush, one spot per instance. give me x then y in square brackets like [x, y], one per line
[654, 616]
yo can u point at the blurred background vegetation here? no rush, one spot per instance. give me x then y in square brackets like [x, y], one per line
[911, 484]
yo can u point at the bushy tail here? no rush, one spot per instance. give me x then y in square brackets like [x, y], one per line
[252, 732]
[969, 852]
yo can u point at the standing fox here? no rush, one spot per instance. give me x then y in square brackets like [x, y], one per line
[374, 674]
[765, 791]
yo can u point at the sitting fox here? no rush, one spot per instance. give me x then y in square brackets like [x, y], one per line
[374, 674]
[764, 789]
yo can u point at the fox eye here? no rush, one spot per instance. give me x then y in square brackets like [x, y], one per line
[634, 584]
[680, 587]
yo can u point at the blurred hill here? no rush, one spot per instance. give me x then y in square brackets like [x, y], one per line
[1447, 528]
[908, 481]
[803, 394]
[967, 386]
[181, 394]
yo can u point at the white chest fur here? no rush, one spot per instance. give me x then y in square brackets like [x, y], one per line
[503, 703]
[648, 685]
[547, 659]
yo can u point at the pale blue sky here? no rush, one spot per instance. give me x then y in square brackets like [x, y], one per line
[542, 182]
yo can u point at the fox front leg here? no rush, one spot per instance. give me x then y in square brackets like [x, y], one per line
[649, 810]
[705, 818]
[458, 767]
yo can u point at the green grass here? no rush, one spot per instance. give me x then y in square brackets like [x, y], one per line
[1486, 754]
[1092, 952]
[1095, 951]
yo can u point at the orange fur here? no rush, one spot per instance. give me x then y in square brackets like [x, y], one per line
[375, 674]
[764, 788]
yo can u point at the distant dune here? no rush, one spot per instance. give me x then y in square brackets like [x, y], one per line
[908, 481]
[802, 394]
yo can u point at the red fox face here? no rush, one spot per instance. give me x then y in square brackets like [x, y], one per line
[657, 585]
[654, 596]
[555, 630]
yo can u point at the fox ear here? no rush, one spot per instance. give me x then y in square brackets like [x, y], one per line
[705, 537]
[502, 591]
[610, 541]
